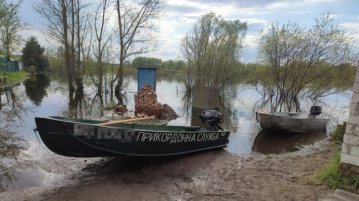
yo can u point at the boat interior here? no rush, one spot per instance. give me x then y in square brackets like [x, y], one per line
[135, 125]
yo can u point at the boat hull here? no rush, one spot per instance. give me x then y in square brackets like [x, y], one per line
[78, 139]
[283, 122]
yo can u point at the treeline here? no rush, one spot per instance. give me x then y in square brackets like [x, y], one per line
[340, 76]
[177, 65]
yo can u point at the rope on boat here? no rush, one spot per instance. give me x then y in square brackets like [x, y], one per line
[36, 134]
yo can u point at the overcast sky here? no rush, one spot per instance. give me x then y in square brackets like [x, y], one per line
[180, 16]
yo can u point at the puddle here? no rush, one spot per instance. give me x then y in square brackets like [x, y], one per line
[19, 177]
[32, 177]
[275, 143]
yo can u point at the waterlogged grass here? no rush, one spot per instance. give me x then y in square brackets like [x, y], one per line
[332, 176]
[13, 77]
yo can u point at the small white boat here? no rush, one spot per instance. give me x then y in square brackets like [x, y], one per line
[292, 122]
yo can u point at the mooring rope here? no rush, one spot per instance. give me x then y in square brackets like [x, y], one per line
[38, 138]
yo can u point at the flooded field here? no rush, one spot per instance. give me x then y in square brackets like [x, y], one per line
[26, 163]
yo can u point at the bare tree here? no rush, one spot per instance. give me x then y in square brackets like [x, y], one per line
[56, 14]
[10, 25]
[135, 32]
[102, 40]
[66, 23]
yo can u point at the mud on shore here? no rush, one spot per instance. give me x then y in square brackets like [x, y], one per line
[212, 175]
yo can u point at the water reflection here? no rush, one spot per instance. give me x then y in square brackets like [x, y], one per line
[204, 97]
[35, 87]
[76, 103]
[12, 146]
[274, 143]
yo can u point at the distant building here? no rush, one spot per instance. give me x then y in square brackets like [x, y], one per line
[3, 62]
[8, 65]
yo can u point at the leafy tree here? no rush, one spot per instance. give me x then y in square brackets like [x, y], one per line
[32, 55]
[35, 88]
[211, 50]
[299, 58]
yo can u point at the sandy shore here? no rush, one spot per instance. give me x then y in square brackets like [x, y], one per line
[213, 175]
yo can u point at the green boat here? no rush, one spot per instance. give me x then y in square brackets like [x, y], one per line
[88, 138]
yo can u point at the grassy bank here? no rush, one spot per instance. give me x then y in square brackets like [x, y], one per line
[13, 77]
[331, 174]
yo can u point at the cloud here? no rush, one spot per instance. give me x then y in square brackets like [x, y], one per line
[351, 25]
[255, 24]
[252, 3]
[352, 28]
[251, 40]
[250, 47]
[319, 1]
[182, 9]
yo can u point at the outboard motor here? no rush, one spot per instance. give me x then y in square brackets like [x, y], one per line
[213, 118]
[315, 110]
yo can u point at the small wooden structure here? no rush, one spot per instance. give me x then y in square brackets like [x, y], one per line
[8, 65]
[146, 75]
[12, 66]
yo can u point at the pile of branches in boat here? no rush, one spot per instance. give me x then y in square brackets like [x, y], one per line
[121, 108]
[146, 104]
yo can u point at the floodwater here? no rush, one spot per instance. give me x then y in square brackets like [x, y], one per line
[44, 96]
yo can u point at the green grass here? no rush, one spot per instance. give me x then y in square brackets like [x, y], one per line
[332, 176]
[330, 173]
[13, 77]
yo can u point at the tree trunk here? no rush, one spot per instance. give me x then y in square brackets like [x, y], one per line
[79, 82]
[67, 48]
[118, 89]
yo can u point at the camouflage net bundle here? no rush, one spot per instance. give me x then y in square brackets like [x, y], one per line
[146, 104]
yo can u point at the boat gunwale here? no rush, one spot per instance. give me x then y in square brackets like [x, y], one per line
[294, 117]
[200, 129]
